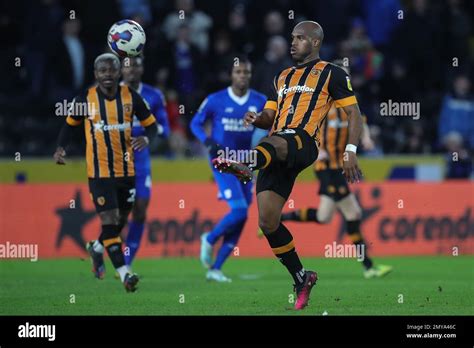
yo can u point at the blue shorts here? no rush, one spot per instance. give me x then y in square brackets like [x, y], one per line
[237, 194]
[143, 176]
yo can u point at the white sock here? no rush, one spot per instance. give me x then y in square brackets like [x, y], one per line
[98, 248]
[123, 270]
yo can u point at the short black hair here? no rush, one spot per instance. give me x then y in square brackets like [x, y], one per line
[237, 60]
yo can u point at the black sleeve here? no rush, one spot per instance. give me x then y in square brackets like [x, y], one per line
[65, 135]
[73, 119]
[273, 90]
[340, 87]
[139, 107]
[75, 113]
[151, 131]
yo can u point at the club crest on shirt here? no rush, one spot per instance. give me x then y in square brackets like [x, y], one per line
[127, 107]
[315, 72]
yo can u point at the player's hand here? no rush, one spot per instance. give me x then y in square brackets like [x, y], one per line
[139, 143]
[367, 143]
[59, 155]
[212, 147]
[350, 167]
[249, 118]
[322, 155]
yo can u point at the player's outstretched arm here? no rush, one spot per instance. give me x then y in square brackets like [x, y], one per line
[72, 122]
[350, 165]
[263, 120]
[365, 139]
[63, 139]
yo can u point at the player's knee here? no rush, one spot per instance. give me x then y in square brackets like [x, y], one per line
[353, 213]
[240, 214]
[268, 225]
[109, 232]
[110, 217]
[280, 146]
[324, 218]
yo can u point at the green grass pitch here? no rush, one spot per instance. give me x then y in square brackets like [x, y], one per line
[424, 285]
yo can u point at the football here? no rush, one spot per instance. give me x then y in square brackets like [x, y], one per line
[126, 38]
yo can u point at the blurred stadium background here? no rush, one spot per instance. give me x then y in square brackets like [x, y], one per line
[418, 193]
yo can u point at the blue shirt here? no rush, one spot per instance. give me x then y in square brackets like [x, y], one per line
[155, 101]
[226, 110]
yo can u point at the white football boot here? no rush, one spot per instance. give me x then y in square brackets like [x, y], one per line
[218, 276]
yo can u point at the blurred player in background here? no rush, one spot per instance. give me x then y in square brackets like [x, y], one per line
[295, 112]
[224, 109]
[334, 191]
[109, 157]
[132, 72]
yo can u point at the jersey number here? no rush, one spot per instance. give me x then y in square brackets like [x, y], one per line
[131, 199]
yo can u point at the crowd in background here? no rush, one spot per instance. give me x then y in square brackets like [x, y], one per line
[404, 51]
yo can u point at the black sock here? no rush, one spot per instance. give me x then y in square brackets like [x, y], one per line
[113, 243]
[302, 215]
[266, 153]
[281, 242]
[353, 229]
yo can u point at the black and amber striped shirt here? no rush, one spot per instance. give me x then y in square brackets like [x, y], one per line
[108, 130]
[333, 136]
[303, 95]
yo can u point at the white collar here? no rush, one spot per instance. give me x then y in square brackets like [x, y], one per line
[239, 100]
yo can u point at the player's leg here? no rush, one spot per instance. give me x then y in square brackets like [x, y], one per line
[229, 243]
[126, 198]
[110, 239]
[270, 149]
[230, 239]
[324, 213]
[103, 195]
[352, 212]
[136, 226]
[321, 215]
[280, 239]
[230, 190]
[274, 185]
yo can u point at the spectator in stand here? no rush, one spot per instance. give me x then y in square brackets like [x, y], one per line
[177, 139]
[67, 63]
[136, 9]
[273, 24]
[457, 111]
[220, 59]
[40, 36]
[381, 18]
[458, 162]
[276, 59]
[198, 22]
[240, 30]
